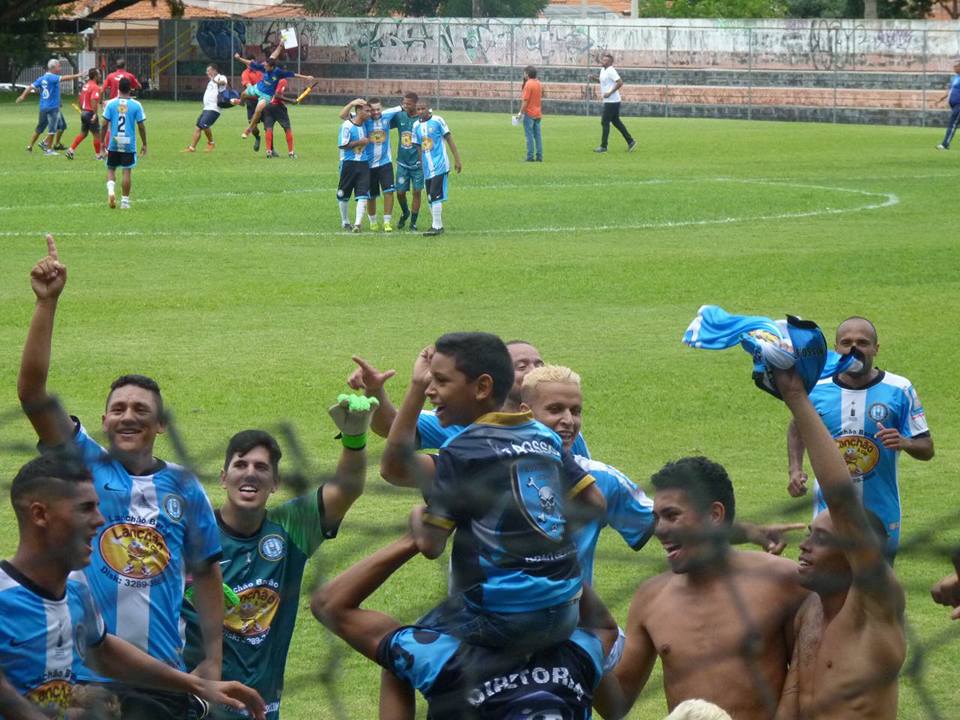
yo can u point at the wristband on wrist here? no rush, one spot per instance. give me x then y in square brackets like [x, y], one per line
[354, 442]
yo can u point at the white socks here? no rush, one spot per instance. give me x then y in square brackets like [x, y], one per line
[344, 211]
[361, 211]
[437, 211]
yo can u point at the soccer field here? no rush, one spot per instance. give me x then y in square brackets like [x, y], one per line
[231, 283]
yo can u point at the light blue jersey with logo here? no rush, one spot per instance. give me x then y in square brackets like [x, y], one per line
[852, 417]
[43, 639]
[156, 526]
[431, 435]
[48, 85]
[351, 132]
[629, 512]
[379, 133]
[123, 114]
[429, 135]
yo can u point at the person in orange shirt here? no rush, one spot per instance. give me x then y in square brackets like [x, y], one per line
[249, 79]
[531, 113]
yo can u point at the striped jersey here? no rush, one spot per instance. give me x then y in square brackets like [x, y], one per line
[629, 512]
[379, 133]
[43, 639]
[351, 132]
[156, 526]
[853, 418]
[505, 483]
[429, 134]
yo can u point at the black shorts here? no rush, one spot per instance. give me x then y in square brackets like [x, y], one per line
[125, 160]
[148, 704]
[276, 114]
[207, 119]
[251, 107]
[437, 188]
[89, 122]
[381, 178]
[354, 178]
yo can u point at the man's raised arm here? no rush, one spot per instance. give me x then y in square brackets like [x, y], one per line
[400, 463]
[47, 278]
[370, 381]
[351, 415]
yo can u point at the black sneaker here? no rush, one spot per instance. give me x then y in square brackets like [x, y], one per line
[631, 146]
[433, 231]
[59, 146]
[348, 226]
[413, 227]
[600, 149]
[256, 143]
[402, 221]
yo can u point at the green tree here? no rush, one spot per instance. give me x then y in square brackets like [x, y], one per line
[713, 8]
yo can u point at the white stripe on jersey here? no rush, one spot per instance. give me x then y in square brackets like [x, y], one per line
[6, 582]
[59, 637]
[852, 411]
[133, 603]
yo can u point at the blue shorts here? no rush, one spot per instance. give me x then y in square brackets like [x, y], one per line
[51, 120]
[407, 176]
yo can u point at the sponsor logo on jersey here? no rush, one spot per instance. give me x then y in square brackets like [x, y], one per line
[173, 507]
[878, 412]
[134, 551]
[252, 617]
[272, 547]
[378, 136]
[406, 139]
[427, 144]
[859, 453]
[53, 694]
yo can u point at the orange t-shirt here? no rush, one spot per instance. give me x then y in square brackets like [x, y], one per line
[532, 93]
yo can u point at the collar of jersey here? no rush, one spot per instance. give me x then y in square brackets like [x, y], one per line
[504, 419]
[875, 381]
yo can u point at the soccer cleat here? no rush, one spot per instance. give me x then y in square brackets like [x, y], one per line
[413, 227]
[374, 227]
[59, 146]
[50, 152]
[292, 155]
[42, 145]
[124, 204]
[211, 146]
[270, 154]
[256, 143]
[69, 153]
[189, 148]
[347, 226]
[356, 229]
[433, 232]
[29, 148]
[402, 221]
[941, 146]
[387, 227]
[631, 146]
[600, 149]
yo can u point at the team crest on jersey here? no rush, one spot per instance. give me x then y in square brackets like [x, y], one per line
[536, 488]
[878, 412]
[135, 551]
[427, 144]
[406, 139]
[252, 617]
[859, 453]
[173, 507]
[272, 548]
[52, 695]
[378, 136]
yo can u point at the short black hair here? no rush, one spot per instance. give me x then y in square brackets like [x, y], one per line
[246, 440]
[876, 336]
[92, 73]
[141, 381]
[704, 481]
[55, 473]
[214, 66]
[373, 100]
[531, 71]
[124, 84]
[411, 96]
[479, 353]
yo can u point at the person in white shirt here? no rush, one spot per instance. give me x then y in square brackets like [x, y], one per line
[211, 111]
[610, 84]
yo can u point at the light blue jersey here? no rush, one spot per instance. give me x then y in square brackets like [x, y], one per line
[431, 435]
[48, 85]
[351, 132]
[629, 512]
[156, 527]
[429, 136]
[379, 133]
[43, 639]
[123, 114]
[852, 417]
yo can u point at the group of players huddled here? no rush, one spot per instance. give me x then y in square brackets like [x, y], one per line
[119, 549]
[366, 161]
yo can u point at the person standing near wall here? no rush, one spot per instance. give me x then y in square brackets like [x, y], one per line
[610, 84]
[531, 113]
[952, 96]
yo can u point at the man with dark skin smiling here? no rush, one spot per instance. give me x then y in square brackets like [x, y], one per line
[159, 521]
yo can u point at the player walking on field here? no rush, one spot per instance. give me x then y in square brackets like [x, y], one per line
[89, 114]
[610, 84]
[120, 115]
[429, 134]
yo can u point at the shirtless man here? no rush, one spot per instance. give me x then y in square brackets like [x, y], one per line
[850, 637]
[721, 621]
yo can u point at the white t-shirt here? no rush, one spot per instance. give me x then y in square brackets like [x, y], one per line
[608, 80]
[210, 97]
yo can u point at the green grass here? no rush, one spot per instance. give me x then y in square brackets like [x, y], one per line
[230, 282]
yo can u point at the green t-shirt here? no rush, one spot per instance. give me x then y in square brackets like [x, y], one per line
[265, 570]
[408, 154]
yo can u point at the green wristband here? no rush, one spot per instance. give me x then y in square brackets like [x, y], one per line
[354, 442]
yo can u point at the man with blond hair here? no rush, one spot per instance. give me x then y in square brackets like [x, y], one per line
[698, 710]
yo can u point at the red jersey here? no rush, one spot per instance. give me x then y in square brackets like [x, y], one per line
[278, 93]
[90, 96]
[112, 83]
[250, 77]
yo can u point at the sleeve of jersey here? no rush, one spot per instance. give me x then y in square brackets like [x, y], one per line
[916, 421]
[302, 518]
[444, 130]
[575, 478]
[344, 136]
[93, 625]
[91, 452]
[431, 435]
[36, 83]
[203, 535]
[415, 135]
[593, 649]
[579, 447]
[416, 656]
[442, 496]
[629, 510]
